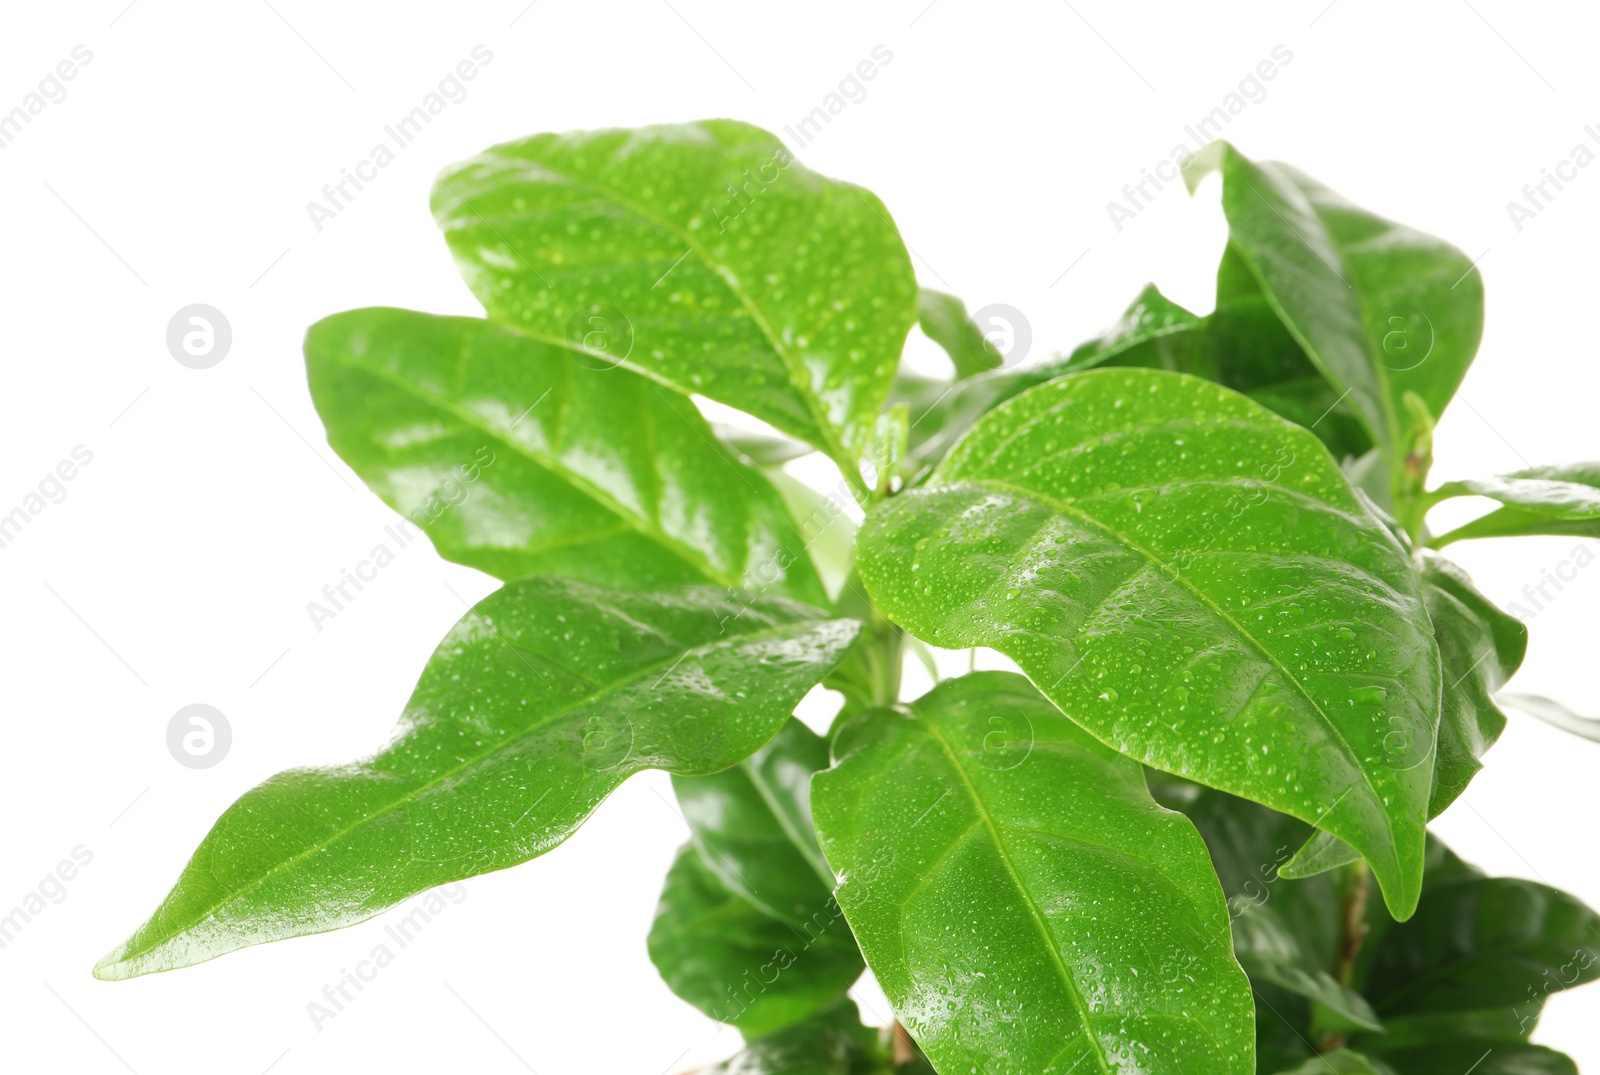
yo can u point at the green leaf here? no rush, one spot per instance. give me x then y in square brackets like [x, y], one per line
[1380, 308]
[1478, 943]
[737, 963]
[1153, 331]
[1539, 500]
[752, 825]
[943, 319]
[1480, 647]
[1479, 1058]
[1267, 949]
[833, 1043]
[518, 458]
[1024, 903]
[1190, 578]
[1242, 345]
[941, 412]
[538, 703]
[705, 256]
[1489, 1025]
[1284, 932]
[1340, 1062]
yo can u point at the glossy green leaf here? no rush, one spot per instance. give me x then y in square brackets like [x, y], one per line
[538, 703]
[520, 457]
[1539, 500]
[1480, 647]
[1381, 308]
[943, 319]
[752, 825]
[1024, 903]
[833, 1043]
[941, 412]
[703, 255]
[1241, 345]
[1482, 942]
[1190, 578]
[1153, 331]
[740, 965]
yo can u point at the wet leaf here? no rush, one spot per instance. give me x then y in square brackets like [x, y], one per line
[536, 706]
[1191, 579]
[519, 457]
[739, 964]
[703, 255]
[1380, 308]
[1024, 903]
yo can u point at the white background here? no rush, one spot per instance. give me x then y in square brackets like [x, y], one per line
[178, 568]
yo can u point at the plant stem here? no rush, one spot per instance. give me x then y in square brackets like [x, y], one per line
[1352, 932]
[1352, 922]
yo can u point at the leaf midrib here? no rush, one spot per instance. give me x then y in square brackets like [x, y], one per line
[793, 364]
[415, 792]
[1170, 572]
[1034, 914]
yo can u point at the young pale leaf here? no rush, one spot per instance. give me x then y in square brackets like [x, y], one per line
[752, 826]
[703, 255]
[1482, 942]
[1190, 578]
[538, 703]
[739, 964]
[1539, 500]
[943, 319]
[1024, 903]
[1380, 308]
[519, 457]
[1480, 647]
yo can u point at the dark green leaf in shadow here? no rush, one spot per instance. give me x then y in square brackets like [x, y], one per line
[737, 963]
